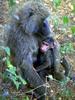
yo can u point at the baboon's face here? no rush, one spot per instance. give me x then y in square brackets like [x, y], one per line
[46, 29]
[36, 25]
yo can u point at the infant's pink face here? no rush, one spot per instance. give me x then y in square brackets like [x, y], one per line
[46, 46]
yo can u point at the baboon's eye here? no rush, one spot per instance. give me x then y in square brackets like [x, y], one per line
[44, 24]
[45, 43]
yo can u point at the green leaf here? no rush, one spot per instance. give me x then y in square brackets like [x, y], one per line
[26, 98]
[7, 50]
[73, 30]
[12, 70]
[11, 2]
[65, 19]
[57, 2]
[22, 80]
[73, 7]
[9, 65]
[17, 84]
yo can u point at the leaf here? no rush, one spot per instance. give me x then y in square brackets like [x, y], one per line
[11, 71]
[7, 50]
[57, 2]
[11, 2]
[73, 7]
[9, 65]
[17, 84]
[65, 19]
[26, 98]
[73, 30]
[22, 80]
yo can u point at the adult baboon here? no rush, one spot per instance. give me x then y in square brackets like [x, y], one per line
[27, 30]
[24, 38]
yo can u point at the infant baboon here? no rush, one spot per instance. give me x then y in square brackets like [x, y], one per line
[48, 59]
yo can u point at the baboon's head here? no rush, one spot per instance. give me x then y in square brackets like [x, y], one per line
[33, 19]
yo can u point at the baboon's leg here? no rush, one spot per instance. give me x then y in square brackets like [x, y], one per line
[33, 78]
[66, 66]
[56, 54]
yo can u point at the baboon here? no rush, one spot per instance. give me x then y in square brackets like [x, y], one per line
[25, 35]
[46, 63]
[27, 31]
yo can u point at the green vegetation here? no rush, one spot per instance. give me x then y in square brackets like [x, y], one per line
[11, 2]
[67, 48]
[11, 71]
